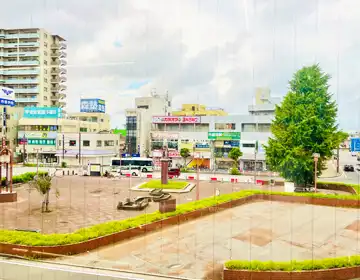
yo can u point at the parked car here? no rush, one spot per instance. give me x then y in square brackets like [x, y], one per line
[174, 172]
[349, 168]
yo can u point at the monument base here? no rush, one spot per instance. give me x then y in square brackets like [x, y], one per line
[8, 197]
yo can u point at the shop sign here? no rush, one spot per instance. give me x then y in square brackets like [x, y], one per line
[37, 134]
[42, 112]
[174, 119]
[171, 153]
[232, 143]
[164, 135]
[202, 146]
[50, 142]
[224, 135]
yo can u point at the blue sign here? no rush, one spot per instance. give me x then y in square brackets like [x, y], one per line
[202, 146]
[128, 155]
[232, 143]
[42, 112]
[7, 97]
[355, 145]
[92, 105]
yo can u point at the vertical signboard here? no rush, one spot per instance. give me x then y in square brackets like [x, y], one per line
[355, 145]
[7, 96]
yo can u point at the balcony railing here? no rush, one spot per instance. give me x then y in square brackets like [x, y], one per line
[22, 54]
[21, 62]
[55, 81]
[21, 44]
[22, 36]
[21, 81]
[27, 90]
[22, 72]
[27, 100]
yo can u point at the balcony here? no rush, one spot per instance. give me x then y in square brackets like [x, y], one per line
[54, 97]
[55, 89]
[21, 81]
[55, 46]
[55, 81]
[22, 72]
[62, 95]
[22, 54]
[63, 46]
[21, 44]
[55, 54]
[22, 62]
[22, 36]
[55, 63]
[27, 100]
[27, 90]
[63, 87]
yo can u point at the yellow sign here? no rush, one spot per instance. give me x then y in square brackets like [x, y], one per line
[187, 146]
[95, 168]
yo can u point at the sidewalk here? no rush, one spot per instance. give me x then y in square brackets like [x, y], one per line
[330, 172]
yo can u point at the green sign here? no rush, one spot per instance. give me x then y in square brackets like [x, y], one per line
[119, 131]
[51, 142]
[224, 135]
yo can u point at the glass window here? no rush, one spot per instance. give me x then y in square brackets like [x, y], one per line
[225, 126]
[115, 162]
[98, 143]
[72, 143]
[86, 143]
[248, 145]
[109, 143]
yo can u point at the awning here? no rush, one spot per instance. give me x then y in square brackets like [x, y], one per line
[260, 156]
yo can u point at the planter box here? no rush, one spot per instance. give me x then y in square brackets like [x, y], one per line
[8, 197]
[167, 205]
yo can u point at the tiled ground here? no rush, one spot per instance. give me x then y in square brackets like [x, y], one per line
[87, 201]
[261, 230]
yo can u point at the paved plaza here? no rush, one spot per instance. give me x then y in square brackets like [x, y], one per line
[257, 231]
[86, 201]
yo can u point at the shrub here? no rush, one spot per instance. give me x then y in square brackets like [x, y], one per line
[185, 170]
[26, 177]
[30, 164]
[63, 164]
[234, 171]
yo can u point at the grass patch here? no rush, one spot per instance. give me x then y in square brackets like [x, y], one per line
[355, 187]
[156, 184]
[26, 177]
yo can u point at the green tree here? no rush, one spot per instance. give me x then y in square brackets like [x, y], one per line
[185, 153]
[43, 184]
[235, 155]
[304, 124]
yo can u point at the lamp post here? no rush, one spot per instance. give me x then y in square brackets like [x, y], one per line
[316, 158]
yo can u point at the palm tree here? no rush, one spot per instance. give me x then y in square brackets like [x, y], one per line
[43, 184]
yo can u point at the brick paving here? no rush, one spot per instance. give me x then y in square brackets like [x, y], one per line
[86, 201]
[262, 230]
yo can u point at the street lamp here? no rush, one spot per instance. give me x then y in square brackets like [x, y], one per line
[316, 158]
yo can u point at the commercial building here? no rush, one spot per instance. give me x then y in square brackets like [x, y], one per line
[210, 138]
[33, 62]
[198, 110]
[47, 134]
[138, 122]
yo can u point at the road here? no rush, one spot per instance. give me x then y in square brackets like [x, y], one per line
[11, 269]
[347, 177]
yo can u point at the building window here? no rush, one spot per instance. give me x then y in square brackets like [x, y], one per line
[45, 62]
[83, 129]
[45, 80]
[109, 143]
[117, 142]
[72, 143]
[251, 127]
[143, 107]
[98, 143]
[225, 126]
[264, 127]
[60, 143]
[45, 53]
[45, 89]
[86, 143]
[45, 97]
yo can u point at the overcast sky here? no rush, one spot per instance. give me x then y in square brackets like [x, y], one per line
[213, 52]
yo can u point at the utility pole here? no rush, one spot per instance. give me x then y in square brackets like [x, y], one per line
[338, 161]
[256, 150]
[63, 146]
[79, 148]
[24, 151]
[37, 160]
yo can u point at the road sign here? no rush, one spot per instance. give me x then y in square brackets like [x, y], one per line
[355, 145]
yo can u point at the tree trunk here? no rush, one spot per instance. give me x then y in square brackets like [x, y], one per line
[43, 206]
[47, 201]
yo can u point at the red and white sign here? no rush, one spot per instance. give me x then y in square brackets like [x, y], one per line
[171, 153]
[174, 119]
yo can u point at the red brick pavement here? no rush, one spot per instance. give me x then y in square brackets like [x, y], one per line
[86, 201]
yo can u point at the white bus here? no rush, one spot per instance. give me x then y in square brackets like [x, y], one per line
[142, 164]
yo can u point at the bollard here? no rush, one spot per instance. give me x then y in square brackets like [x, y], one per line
[68, 172]
[63, 172]
[73, 172]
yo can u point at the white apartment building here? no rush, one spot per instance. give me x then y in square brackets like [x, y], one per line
[33, 61]
[138, 121]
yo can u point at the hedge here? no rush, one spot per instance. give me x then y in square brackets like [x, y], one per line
[84, 234]
[294, 265]
[355, 187]
[26, 177]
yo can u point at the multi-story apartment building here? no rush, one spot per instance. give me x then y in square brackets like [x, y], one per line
[138, 121]
[198, 110]
[32, 61]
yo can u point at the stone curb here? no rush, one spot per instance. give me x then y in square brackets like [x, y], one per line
[187, 189]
